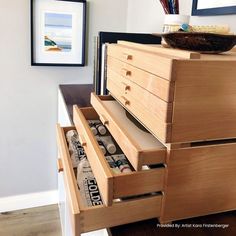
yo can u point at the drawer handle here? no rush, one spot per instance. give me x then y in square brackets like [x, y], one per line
[126, 101]
[82, 141]
[59, 165]
[126, 86]
[127, 56]
[125, 72]
[104, 120]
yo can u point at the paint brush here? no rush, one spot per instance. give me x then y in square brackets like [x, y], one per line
[177, 6]
[164, 4]
[170, 5]
[173, 5]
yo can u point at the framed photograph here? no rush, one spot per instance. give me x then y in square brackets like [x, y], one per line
[211, 8]
[58, 31]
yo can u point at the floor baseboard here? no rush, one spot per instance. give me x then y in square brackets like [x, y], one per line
[31, 200]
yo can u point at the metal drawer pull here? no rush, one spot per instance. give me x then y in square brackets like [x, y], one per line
[127, 56]
[125, 72]
[126, 101]
[59, 165]
[104, 120]
[126, 86]
[82, 141]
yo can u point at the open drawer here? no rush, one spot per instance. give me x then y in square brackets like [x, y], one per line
[112, 185]
[140, 147]
[85, 219]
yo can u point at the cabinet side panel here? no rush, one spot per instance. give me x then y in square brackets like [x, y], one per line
[201, 181]
[205, 101]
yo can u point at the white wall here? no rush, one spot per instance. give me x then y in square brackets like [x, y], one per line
[148, 16]
[144, 16]
[28, 96]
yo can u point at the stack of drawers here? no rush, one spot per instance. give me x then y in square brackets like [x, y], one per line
[188, 102]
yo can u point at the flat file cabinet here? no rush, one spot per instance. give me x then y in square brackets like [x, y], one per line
[187, 101]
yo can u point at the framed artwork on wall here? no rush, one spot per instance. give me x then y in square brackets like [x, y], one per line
[211, 8]
[58, 32]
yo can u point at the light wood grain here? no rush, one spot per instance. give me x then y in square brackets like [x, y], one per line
[85, 219]
[158, 128]
[159, 87]
[159, 108]
[121, 213]
[205, 101]
[201, 181]
[203, 97]
[73, 200]
[141, 148]
[148, 181]
[159, 49]
[153, 63]
[42, 221]
[59, 165]
[108, 182]
[233, 49]
[70, 182]
[228, 56]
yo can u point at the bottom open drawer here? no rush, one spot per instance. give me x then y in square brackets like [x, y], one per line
[85, 219]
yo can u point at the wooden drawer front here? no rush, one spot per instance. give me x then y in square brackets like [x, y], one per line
[161, 88]
[155, 124]
[121, 213]
[161, 109]
[201, 181]
[64, 166]
[151, 62]
[84, 219]
[112, 185]
[141, 148]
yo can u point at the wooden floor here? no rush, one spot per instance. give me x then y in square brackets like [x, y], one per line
[42, 221]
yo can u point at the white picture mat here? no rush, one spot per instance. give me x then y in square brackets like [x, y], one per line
[52, 6]
[207, 4]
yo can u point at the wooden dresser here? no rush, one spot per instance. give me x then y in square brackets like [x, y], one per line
[188, 102]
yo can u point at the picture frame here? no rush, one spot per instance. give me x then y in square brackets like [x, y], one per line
[58, 32]
[211, 8]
